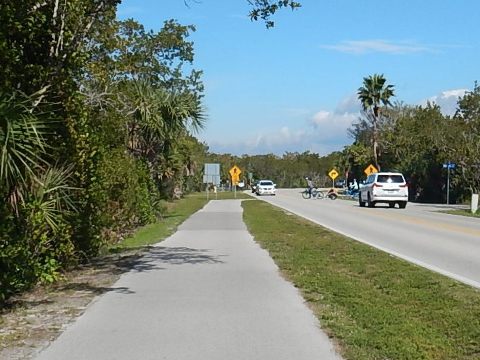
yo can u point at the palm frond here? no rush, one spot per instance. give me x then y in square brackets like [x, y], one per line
[22, 138]
[52, 193]
[159, 115]
[374, 92]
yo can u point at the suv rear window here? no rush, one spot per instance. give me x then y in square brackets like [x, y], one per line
[390, 179]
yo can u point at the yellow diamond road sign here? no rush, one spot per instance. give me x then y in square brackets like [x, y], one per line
[235, 174]
[333, 174]
[370, 170]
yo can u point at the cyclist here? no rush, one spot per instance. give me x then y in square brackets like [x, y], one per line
[309, 185]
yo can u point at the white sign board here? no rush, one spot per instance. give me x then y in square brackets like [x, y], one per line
[211, 174]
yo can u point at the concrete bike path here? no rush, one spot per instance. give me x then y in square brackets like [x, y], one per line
[207, 292]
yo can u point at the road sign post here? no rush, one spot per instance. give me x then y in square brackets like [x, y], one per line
[448, 185]
[235, 174]
[333, 175]
[449, 165]
[370, 169]
[211, 175]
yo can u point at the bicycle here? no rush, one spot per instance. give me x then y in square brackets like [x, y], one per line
[319, 194]
[314, 193]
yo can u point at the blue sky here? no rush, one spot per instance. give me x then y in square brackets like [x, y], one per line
[293, 87]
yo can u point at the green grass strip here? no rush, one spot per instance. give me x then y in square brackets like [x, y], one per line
[374, 305]
[462, 212]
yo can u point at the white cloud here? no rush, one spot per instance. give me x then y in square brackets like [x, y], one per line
[383, 46]
[323, 131]
[447, 100]
[276, 142]
[350, 104]
[331, 129]
[284, 138]
[332, 124]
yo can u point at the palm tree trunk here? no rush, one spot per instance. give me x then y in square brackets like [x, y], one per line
[375, 154]
[375, 139]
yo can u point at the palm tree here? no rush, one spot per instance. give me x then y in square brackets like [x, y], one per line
[22, 143]
[159, 119]
[158, 116]
[372, 94]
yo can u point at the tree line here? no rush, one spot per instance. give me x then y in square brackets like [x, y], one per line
[415, 140]
[97, 125]
[418, 141]
[98, 119]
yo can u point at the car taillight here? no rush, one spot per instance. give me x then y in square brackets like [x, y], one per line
[403, 186]
[377, 185]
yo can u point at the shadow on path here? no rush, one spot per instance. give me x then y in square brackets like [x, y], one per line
[158, 255]
[96, 290]
[95, 277]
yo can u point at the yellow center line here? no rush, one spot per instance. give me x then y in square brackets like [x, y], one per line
[429, 223]
[414, 220]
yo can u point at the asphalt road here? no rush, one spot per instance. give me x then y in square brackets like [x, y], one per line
[447, 244]
[207, 292]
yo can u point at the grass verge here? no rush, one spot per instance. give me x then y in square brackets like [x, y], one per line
[463, 212]
[374, 305]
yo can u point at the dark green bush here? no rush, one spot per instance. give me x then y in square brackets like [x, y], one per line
[122, 196]
[31, 250]
[15, 272]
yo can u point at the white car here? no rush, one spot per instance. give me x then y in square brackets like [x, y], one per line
[265, 187]
[384, 187]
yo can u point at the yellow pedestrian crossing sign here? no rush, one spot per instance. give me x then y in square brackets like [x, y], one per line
[235, 174]
[333, 174]
[370, 169]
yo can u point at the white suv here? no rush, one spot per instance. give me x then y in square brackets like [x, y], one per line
[384, 187]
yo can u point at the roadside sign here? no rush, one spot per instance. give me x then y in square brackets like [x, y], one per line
[211, 177]
[333, 174]
[235, 174]
[235, 170]
[449, 165]
[370, 169]
[212, 174]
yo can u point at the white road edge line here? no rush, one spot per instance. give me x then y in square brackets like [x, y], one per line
[449, 274]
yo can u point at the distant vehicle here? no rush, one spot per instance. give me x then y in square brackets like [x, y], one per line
[340, 183]
[384, 187]
[265, 187]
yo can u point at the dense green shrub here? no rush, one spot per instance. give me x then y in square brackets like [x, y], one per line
[14, 275]
[123, 196]
[31, 250]
[123, 130]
